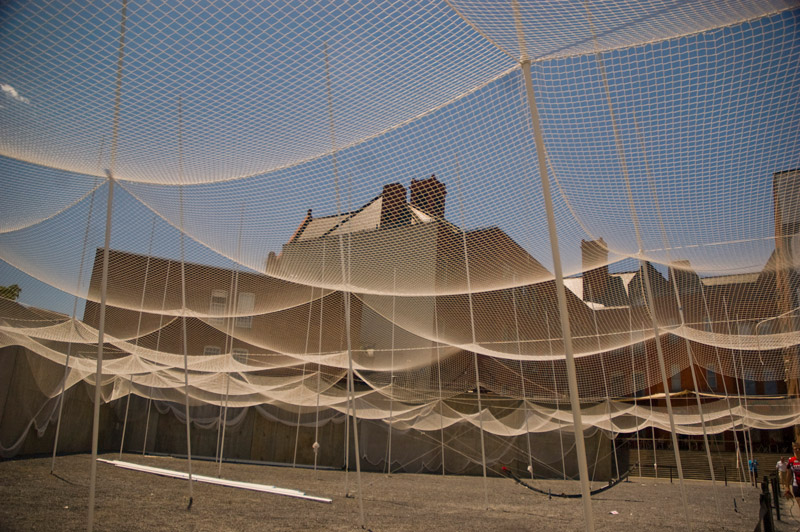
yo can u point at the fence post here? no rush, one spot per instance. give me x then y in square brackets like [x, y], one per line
[725, 472]
[670, 474]
[765, 513]
[776, 496]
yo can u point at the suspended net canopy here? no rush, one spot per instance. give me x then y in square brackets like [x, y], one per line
[273, 169]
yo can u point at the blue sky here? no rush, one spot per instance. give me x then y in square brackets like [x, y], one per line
[705, 118]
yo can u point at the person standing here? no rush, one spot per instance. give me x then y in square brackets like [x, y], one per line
[794, 472]
[782, 468]
[753, 465]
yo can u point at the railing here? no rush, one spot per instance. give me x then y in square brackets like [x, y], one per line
[696, 444]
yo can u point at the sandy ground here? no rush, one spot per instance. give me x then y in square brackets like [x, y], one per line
[33, 499]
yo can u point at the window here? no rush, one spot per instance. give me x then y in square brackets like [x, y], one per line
[711, 377]
[771, 382]
[244, 310]
[749, 383]
[617, 385]
[639, 385]
[216, 308]
[240, 355]
[211, 350]
[675, 380]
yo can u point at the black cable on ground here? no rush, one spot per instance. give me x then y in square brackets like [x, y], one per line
[611, 484]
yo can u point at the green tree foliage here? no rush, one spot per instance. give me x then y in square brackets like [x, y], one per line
[10, 292]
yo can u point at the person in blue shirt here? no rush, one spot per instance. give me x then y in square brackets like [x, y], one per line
[753, 464]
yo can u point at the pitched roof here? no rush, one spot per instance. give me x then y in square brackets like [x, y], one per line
[367, 218]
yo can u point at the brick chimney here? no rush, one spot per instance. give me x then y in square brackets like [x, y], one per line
[429, 195]
[394, 212]
[594, 254]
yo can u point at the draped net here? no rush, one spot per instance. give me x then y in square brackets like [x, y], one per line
[260, 138]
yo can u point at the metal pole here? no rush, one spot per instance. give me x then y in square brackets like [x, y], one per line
[183, 301]
[439, 375]
[572, 378]
[104, 278]
[138, 333]
[648, 286]
[315, 445]
[391, 377]
[555, 389]
[522, 380]
[346, 281]
[305, 362]
[72, 327]
[697, 394]
[158, 347]
[100, 340]
[472, 331]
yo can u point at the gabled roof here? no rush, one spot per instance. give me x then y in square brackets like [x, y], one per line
[367, 218]
[575, 285]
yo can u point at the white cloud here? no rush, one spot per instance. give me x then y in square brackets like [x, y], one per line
[12, 93]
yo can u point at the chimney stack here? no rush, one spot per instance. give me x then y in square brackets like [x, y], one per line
[394, 212]
[429, 195]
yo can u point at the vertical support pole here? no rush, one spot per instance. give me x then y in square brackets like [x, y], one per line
[100, 339]
[439, 375]
[635, 392]
[662, 367]
[696, 394]
[72, 329]
[605, 380]
[643, 264]
[724, 387]
[391, 377]
[138, 333]
[183, 302]
[305, 363]
[474, 342]
[555, 389]
[522, 381]
[315, 446]
[572, 378]
[743, 463]
[230, 304]
[125, 421]
[158, 347]
[346, 281]
[104, 278]
[61, 398]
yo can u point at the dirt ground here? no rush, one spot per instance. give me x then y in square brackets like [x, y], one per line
[33, 499]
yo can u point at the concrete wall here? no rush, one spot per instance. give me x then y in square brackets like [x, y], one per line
[255, 437]
[22, 374]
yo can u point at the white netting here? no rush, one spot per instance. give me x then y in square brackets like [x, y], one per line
[277, 157]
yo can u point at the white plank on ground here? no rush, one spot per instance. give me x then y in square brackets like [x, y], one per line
[216, 481]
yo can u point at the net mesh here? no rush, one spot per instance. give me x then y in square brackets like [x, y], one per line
[277, 157]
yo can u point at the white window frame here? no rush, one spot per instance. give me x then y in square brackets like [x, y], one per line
[240, 354]
[245, 303]
[218, 309]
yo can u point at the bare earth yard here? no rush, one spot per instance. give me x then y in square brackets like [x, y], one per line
[33, 499]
